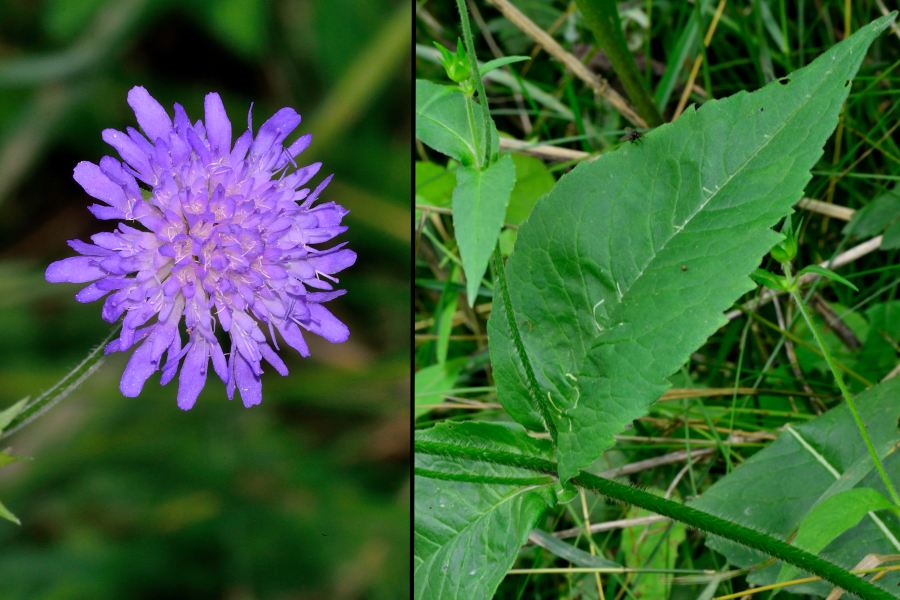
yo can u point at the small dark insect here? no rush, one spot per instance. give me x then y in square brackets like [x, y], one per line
[684, 267]
[631, 135]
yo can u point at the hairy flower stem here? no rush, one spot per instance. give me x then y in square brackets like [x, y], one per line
[62, 388]
[679, 512]
[476, 79]
[848, 397]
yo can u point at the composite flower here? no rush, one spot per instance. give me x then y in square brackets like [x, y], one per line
[218, 239]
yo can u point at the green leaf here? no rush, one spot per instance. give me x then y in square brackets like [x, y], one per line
[5, 514]
[434, 184]
[877, 216]
[533, 180]
[568, 552]
[679, 56]
[443, 314]
[7, 415]
[878, 354]
[652, 547]
[891, 239]
[443, 123]
[6, 458]
[776, 489]
[625, 268]
[467, 534]
[769, 280]
[828, 274]
[479, 204]
[433, 382]
[830, 518]
[492, 65]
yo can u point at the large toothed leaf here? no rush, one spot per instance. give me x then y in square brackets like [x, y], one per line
[811, 465]
[626, 267]
[467, 534]
[479, 204]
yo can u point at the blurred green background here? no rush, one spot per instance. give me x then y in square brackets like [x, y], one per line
[305, 496]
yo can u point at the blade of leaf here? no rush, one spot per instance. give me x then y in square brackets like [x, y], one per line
[434, 184]
[533, 180]
[655, 547]
[5, 514]
[492, 65]
[479, 204]
[827, 274]
[830, 518]
[876, 216]
[625, 268]
[443, 123]
[777, 487]
[433, 381]
[568, 552]
[6, 458]
[11, 413]
[891, 239]
[467, 534]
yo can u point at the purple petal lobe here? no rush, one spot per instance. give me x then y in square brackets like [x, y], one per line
[248, 383]
[218, 127]
[105, 212]
[193, 374]
[91, 178]
[220, 365]
[151, 116]
[127, 148]
[273, 359]
[327, 325]
[275, 129]
[294, 337]
[139, 369]
[90, 293]
[77, 269]
[333, 262]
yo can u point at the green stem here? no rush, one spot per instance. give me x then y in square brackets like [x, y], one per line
[476, 78]
[62, 388]
[534, 389]
[839, 378]
[602, 17]
[470, 117]
[679, 512]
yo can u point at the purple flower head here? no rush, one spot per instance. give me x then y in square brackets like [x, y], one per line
[214, 233]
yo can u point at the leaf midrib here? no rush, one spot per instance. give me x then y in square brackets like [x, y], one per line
[432, 100]
[679, 229]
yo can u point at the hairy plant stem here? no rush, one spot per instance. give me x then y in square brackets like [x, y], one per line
[470, 117]
[848, 397]
[476, 79]
[679, 512]
[602, 17]
[534, 389]
[62, 388]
